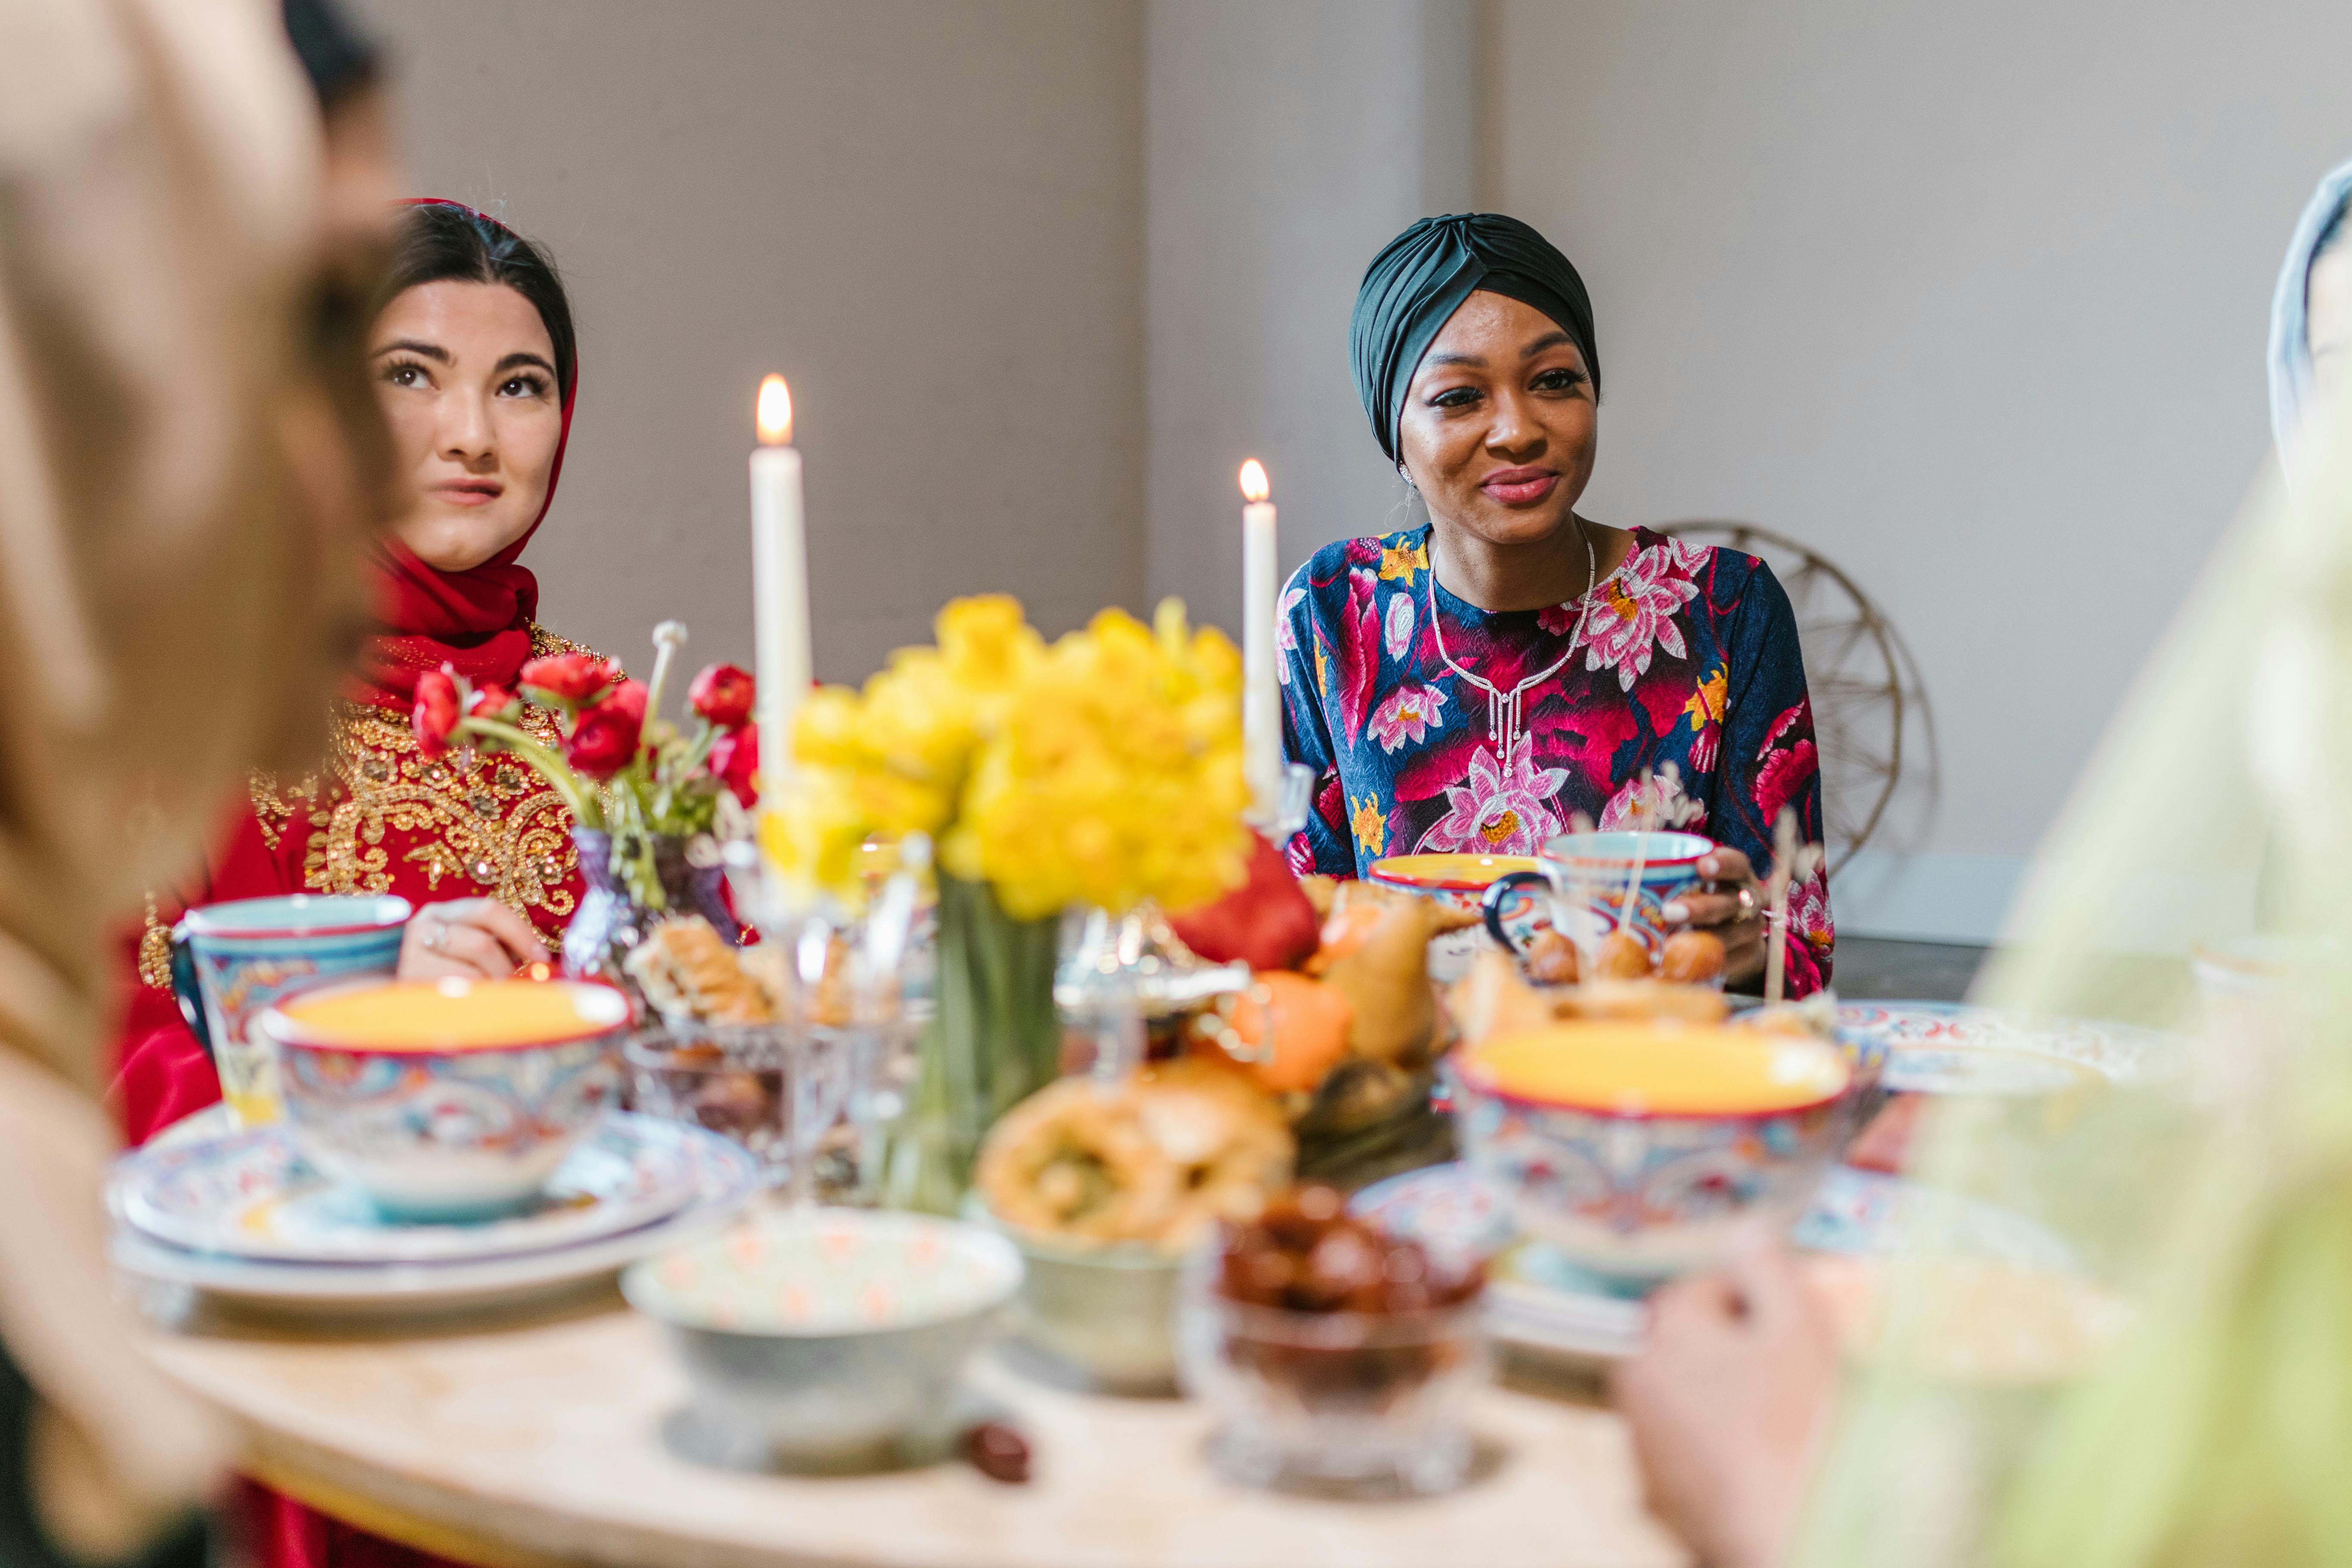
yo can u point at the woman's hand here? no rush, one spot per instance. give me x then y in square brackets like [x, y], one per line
[1722, 908]
[1729, 1400]
[480, 938]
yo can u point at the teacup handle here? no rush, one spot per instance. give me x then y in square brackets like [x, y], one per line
[188, 990]
[1497, 897]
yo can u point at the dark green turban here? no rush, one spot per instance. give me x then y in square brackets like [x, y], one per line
[1414, 285]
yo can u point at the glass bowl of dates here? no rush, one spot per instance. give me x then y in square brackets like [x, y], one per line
[728, 1078]
[1335, 1358]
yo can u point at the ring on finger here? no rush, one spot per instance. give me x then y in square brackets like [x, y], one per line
[436, 936]
[1748, 905]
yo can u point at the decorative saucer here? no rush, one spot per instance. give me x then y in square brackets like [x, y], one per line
[1540, 1298]
[724, 1179]
[1949, 1047]
[251, 1195]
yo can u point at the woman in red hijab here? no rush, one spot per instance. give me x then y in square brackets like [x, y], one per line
[473, 353]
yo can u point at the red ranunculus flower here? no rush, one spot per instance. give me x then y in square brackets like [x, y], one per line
[436, 717]
[604, 737]
[722, 694]
[572, 677]
[735, 763]
[492, 702]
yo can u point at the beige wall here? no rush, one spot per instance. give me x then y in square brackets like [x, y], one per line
[1972, 297]
[1285, 142]
[927, 215]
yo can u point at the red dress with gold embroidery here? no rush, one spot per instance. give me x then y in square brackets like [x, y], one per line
[378, 818]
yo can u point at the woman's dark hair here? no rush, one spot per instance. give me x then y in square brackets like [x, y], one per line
[436, 242]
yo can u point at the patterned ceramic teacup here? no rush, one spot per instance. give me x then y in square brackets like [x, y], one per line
[1459, 882]
[447, 1099]
[1638, 1149]
[1580, 882]
[231, 961]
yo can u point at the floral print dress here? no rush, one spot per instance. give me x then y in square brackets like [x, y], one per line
[1687, 655]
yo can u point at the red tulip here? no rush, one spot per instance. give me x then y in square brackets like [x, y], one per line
[571, 678]
[492, 702]
[735, 763]
[604, 737]
[723, 694]
[436, 717]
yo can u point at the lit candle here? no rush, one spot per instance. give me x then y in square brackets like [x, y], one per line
[1261, 693]
[779, 579]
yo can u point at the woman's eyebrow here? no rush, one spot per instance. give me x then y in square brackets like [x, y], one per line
[1548, 341]
[523, 357]
[415, 346]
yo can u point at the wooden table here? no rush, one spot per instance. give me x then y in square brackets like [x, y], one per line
[540, 1439]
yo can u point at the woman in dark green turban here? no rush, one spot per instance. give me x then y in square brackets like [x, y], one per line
[1473, 684]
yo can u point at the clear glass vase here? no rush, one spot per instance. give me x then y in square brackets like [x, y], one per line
[992, 1040]
[618, 908]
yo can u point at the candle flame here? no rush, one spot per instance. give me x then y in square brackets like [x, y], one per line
[1254, 485]
[775, 413]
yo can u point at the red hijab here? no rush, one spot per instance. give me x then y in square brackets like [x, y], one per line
[477, 621]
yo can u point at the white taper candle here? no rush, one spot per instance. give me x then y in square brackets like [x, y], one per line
[1261, 688]
[779, 579]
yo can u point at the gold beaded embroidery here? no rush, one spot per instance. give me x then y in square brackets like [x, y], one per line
[155, 950]
[487, 824]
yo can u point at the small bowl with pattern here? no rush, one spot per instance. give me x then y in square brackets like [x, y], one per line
[827, 1335]
[448, 1100]
[1639, 1150]
[1100, 1314]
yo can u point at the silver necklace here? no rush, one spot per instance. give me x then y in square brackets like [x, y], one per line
[1502, 708]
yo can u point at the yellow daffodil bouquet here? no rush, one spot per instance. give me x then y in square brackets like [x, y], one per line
[1102, 769]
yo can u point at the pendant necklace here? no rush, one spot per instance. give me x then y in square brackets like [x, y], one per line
[1503, 719]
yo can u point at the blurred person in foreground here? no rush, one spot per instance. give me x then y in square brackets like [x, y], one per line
[2176, 1388]
[185, 480]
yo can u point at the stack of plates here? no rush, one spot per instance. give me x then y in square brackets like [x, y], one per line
[241, 1214]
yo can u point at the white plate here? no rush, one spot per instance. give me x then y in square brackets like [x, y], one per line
[726, 1178]
[1949, 1047]
[251, 1195]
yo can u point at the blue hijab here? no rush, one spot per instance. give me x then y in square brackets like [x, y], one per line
[2290, 316]
[1421, 277]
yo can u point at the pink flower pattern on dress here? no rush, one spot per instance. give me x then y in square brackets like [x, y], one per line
[1621, 812]
[1284, 639]
[1398, 634]
[1408, 716]
[1633, 614]
[1782, 772]
[1499, 810]
[1810, 936]
[1360, 651]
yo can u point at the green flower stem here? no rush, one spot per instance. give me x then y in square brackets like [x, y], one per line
[995, 1040]
[579, 798]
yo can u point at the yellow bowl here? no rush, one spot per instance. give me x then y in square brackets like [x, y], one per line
[448, 1100]
[1447, 873]
[1638, 1149]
